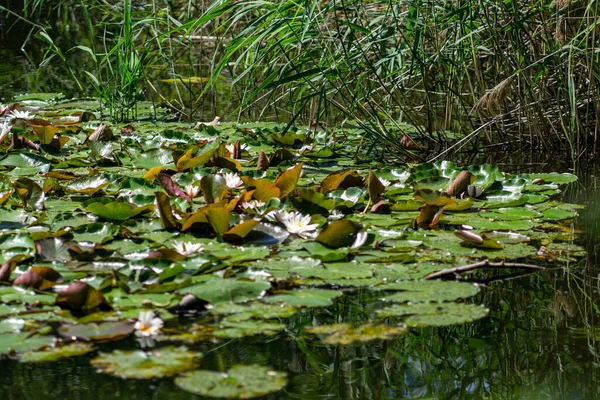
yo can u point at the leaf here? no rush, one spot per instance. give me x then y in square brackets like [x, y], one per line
[305, 297]
[341, 180]
[261, 189]
[425, 291]
[11, 343]
[45, 132]
[166, 213]
[374, 187]
[287, 181]
[103, 133]
[218, 218]
[240, 382]
[240, 231]
[186, 161]
[171, 187]
[51, 354]
[118, 211]
[433, 314]
[228, 290]
[346, 334]
[213, 187]
[340, 233]
[81, 297]
[159, 363]
[40, 278]
[30, 193]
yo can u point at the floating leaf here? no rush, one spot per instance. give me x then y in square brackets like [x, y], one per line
[103, 331]
[339, 233]
[171, 187]
[40, 278]
[434, 314]
[30, 193]
[45, 132]
[305, 297]
[341, 180]
[345, 334]
[420, 291]
[81, 297]
[286, 182]
[51, 354]
[240, 329]
[213, 187]
[11, 343]
[240, 382]
[118, 211]
[228, 290]
[159, 363]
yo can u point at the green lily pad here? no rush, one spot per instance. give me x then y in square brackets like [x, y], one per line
[239, 329]
[239, 382]
[50, 354]
[420, 291]
[104, 331]
[159, 363]
[117, 211]
[345, 334]
[228, 290]
[305, 297]
[434, 314]
[11, 343]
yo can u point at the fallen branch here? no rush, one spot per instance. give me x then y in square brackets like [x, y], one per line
[481, 264]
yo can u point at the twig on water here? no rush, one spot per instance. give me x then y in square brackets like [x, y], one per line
[481, 264]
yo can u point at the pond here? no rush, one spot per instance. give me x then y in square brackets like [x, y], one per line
[65, 211]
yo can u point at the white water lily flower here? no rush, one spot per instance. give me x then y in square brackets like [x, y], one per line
[230, 147]
[21, 114]
[5, 129]
[148, 324]
[186, 248]
[233, 181]
[252, 204]
[192, 190]
[335, 214]
[385, 182]
[297, 223]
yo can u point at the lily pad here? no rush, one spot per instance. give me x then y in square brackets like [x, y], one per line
[420, 291]
[228, 290]
[159, 363]
[305, 298]
[240, 382]
[434, 314]
[345, 334]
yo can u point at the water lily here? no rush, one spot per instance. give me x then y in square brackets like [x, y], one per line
[252, 204]
[192, 190]
[21, 114]
[233, 181]
[335, 214]
[5, 129]
[186, 248]
[148, 324]
[229, 147]
[385, 182]
[297, 223]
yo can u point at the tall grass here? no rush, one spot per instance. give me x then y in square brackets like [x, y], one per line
[521, 72]
[526, 70]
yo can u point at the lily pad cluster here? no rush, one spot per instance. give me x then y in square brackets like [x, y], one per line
[167, 236]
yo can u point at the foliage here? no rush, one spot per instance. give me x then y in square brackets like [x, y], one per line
[95, 235]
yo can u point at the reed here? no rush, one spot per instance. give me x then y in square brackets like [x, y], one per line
[522, 72]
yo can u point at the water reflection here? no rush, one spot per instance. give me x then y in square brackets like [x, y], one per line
[538, 342]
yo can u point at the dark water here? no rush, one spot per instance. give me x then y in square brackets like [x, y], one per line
[539, 341]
